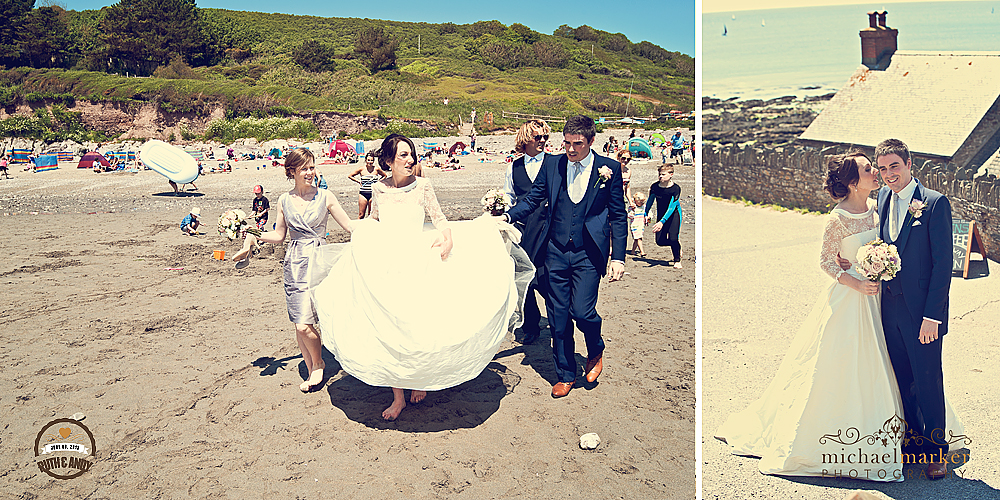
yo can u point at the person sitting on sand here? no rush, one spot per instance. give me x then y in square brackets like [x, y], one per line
[190, 222]
[3, 167]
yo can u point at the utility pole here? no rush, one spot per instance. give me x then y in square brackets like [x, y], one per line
[418, 43]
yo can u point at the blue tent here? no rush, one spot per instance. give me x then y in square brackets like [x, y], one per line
[639, 148]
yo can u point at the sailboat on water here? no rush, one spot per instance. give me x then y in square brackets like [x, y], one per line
[724, 31]
[762, 23]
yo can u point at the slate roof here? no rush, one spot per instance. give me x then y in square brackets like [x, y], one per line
[931, 100]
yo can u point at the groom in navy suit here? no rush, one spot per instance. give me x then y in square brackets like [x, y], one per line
[915, 303]
[587, 223]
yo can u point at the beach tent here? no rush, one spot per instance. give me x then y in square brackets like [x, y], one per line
[19, 155]
[275, 152]
[88, 160]
[639, 147]
[46, 162]
[457, 145]
[658, 138]
[338, 146]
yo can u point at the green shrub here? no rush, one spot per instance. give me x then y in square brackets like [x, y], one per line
[263, 129]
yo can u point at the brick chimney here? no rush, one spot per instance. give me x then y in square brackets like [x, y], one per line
[878, 42]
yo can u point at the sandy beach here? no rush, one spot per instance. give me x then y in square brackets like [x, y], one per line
[187, 370]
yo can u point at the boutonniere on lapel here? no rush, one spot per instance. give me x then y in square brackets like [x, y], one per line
[603, 176]
[916, 208]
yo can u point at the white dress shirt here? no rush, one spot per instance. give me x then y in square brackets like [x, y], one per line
[532, 164]
[578, 176]
[899, 206]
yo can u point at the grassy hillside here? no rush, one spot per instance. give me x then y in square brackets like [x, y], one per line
[259, 70]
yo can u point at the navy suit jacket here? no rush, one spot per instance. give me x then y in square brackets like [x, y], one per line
[924, 246]
[607, 218]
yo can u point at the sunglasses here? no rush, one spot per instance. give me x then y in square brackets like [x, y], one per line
[542, 137]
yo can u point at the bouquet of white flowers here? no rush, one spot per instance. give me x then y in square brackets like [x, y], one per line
[234, 224]
[878, 260]
[495, 201]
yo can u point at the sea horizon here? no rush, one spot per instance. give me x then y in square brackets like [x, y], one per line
[811, 51]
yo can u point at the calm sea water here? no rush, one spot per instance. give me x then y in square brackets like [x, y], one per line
[814, 50]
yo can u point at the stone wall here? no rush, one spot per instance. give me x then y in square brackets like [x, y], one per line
[793, 177]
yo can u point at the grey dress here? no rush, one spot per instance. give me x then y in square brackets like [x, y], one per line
[308, 231]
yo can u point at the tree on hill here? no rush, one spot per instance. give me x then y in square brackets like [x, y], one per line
[12, 12]
[377, 48]
[315, 56]
[43, 39]
[142, 35]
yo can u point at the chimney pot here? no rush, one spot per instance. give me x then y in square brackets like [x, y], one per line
[878, 42]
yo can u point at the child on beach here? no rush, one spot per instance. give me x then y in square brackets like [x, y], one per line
[260, 207]
[637, 222]
[667, 196]
[190, 222]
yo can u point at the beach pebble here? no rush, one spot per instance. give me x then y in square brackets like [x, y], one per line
[589, 441]
[78, 416]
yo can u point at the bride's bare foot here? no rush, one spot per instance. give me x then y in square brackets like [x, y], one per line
[398, 403]
[315, 378]
[417, 396]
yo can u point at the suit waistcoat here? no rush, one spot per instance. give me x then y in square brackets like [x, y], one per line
[568, 219]
[522, 183]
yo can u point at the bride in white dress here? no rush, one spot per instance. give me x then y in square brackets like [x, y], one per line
[833, 409]
[412, 309]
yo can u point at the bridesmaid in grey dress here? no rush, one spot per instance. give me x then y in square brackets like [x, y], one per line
[304, 213]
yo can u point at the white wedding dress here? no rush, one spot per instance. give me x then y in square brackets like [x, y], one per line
[834, 400]
[394, 314]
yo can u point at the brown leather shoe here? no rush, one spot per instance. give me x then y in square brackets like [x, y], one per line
[561, 389]
[594, 367]
[937, 470]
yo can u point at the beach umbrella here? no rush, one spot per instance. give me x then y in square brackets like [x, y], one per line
[338, 146]
[88, 160]
[639, 147]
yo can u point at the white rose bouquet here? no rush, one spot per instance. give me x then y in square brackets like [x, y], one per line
[878, 260]
[496, 202]
[234, 224]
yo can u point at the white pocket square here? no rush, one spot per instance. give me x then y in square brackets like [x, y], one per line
[916, 223]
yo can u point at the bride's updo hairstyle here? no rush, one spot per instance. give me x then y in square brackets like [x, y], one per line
[387, 153]
[297, 158]
[842, 172]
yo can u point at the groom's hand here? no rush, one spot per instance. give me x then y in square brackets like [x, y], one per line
[616, 270]
[928, 331]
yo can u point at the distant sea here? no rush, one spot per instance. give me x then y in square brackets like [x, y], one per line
[811, 51]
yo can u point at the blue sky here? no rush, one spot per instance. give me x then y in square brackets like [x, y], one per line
[667, 23]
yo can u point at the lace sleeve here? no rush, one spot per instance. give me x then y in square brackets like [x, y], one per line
[832, 236]
[376, 191]
[432, 206]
